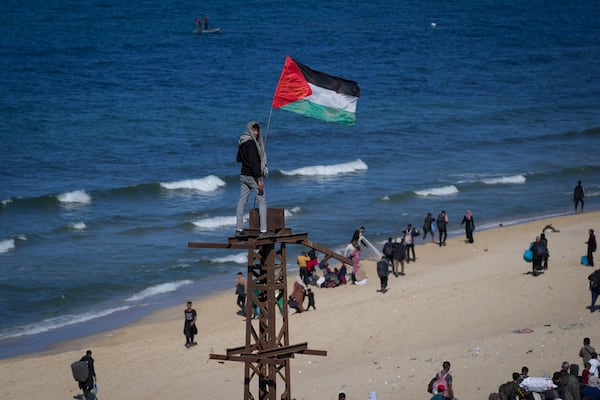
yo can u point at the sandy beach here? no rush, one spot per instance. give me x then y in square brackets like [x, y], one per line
[465, 303]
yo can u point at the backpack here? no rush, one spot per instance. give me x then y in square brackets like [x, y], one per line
[441, 221]
[80, 371]
[594, 279]
[388, 250]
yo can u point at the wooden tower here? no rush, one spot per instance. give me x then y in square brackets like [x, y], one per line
[267, 352]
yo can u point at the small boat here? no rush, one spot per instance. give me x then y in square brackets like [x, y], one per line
[202, 31]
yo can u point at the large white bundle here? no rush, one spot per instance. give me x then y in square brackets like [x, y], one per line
[537, 384]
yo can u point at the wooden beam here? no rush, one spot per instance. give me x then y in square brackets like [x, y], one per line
[326, 251]
[195, 245]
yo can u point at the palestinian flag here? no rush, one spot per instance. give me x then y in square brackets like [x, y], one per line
[315, 94]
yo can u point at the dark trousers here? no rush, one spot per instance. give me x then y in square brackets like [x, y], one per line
[410, 247]
[594, 297]
[384, 282]
[469, 233]
[241, 301]
[590, 256]
[442, 236]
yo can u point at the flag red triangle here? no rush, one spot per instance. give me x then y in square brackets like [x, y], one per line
[292, 85]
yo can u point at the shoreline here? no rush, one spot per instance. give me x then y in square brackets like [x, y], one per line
[463, 302]
[126, 318]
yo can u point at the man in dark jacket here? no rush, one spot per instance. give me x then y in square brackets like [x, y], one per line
[251, 153]
[383, 270]
[88, 385]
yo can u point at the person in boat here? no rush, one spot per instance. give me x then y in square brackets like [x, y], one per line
[198, 24]
[205, 19]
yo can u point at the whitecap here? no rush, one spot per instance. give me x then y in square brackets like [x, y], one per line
[209, 183]
[78, 226]
[212, 223]
[240, 258]
[215, 222]
[158, 289]
[291, 212]
[439, 191]
[76, 196]
[328, 170]
[505, 180]
[7, 245]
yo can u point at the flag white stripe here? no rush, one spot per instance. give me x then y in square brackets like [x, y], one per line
[331, 98]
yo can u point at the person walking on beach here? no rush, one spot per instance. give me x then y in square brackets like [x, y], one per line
[399, 256]
[594, 286]
[311, 299]
[591, 247]
[251, 153]
[189, 325]
[383, 270]
[442, 222]
[428, 227]
[469, 224]
[409, 241]
[240, 291]
[388, 250]
[578, 195]
[445, 379]
[88, 384]
[546, 253]
[586, 350]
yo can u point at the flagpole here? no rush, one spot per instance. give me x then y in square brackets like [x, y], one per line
[268, 126]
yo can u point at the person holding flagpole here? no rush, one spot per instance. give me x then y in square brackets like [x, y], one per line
[251, 153]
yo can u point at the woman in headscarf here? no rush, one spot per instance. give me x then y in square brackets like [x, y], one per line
[469, 224]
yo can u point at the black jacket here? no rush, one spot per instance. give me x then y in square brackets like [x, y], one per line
[250, 158]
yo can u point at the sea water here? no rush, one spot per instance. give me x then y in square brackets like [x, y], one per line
[119, 128]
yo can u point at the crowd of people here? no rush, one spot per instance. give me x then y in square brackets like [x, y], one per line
[566, 383]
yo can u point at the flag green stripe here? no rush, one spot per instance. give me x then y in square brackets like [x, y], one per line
[321, 112]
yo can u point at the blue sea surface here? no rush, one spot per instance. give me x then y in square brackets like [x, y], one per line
[119, 128]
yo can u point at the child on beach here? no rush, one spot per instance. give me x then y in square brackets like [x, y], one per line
[311, 300]
[240, 291]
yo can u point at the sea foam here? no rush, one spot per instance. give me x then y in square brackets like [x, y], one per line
[159, 289]
[209, 183]
[217, 222]
[505, 180]
[6, 245]
[439, 191]
[76, 196]
[240, 258]
[77, 226]
[329, 170]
